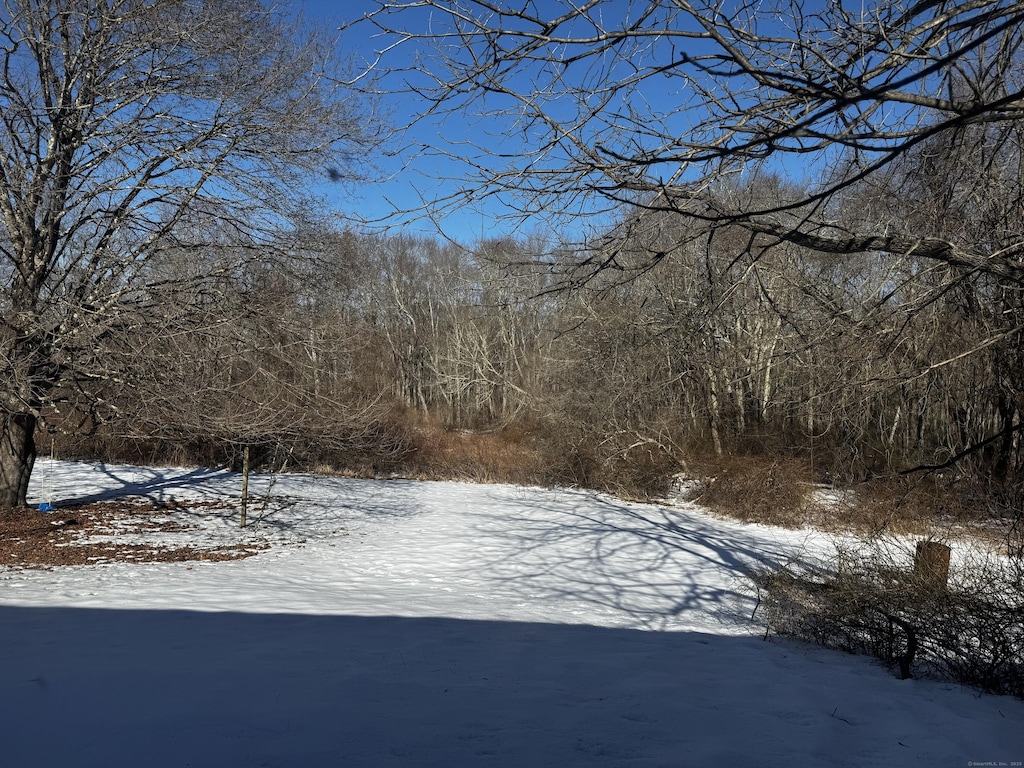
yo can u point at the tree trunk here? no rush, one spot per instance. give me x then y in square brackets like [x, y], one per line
[17, 457]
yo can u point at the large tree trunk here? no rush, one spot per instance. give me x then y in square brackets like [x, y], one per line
[17, 457]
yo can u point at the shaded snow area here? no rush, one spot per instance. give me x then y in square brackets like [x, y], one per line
[443, 624]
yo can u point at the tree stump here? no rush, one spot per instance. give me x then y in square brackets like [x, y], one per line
[931, 564]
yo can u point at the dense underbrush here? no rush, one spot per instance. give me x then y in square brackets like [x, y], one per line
[401, 442]
[878, 597]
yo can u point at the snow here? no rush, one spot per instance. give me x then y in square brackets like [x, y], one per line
[400, 623]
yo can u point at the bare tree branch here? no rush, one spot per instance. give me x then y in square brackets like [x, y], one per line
[127, 128]
[651, 104]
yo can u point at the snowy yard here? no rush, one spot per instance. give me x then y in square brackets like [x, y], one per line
[443, 624]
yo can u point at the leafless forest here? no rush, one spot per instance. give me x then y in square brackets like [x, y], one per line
[379, 354]
[174, 293]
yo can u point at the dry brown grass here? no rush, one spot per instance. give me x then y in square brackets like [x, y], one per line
[501, 456]
[782, 491]
[534, 453]
[918, 506]
[903, 505]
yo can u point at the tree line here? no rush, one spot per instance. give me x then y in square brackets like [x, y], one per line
[336, 351]
[173, 293]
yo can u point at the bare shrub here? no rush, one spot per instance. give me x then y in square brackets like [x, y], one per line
[1005, 512]
[759, 489]
[910, 505]
[378, 443]
[870, 600]
[642, 470]
[621, 463]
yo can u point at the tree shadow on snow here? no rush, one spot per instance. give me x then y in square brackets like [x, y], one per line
[649, 562]
[108, 482]
[89, 687]
[280, 502]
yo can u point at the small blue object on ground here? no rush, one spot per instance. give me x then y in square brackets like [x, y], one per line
[46, 507]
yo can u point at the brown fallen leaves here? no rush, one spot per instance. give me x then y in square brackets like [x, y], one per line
[33, 539]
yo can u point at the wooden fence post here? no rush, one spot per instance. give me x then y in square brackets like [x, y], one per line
[245, 483]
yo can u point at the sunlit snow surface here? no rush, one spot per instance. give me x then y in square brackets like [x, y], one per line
[398, 623]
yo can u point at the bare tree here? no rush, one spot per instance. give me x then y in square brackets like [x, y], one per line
[651, 103]
[895, 126]
[267, 366]
[131, 130]
[962, 326]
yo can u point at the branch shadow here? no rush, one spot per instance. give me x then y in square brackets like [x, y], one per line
[294, 504]
[640, 565]
[659, 566]
[109, 482]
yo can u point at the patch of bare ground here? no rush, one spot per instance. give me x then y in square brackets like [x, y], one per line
[33, 539]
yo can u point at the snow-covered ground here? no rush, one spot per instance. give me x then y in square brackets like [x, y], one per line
[443, 624]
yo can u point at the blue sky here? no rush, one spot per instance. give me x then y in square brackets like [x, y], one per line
[427, 175]
[402, 186]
